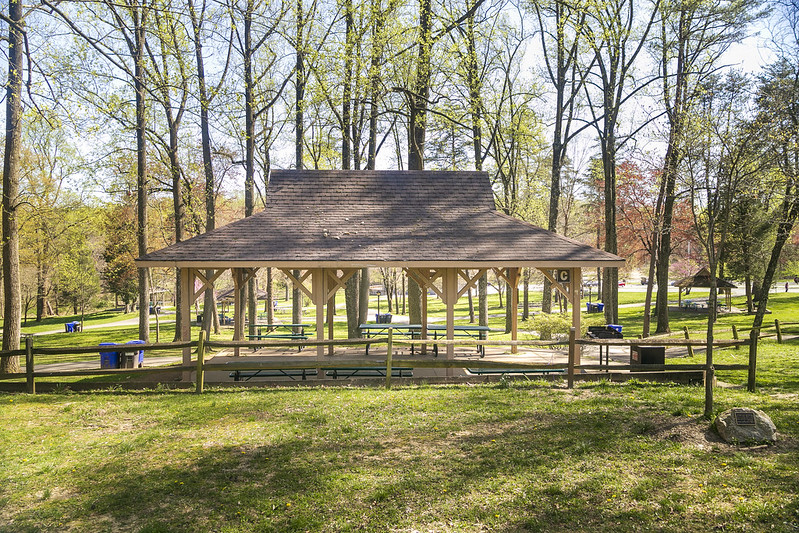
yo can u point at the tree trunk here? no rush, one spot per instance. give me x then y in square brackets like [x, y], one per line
[351, 294]
[417, 128]
[12, 312]
[610, 289]
[482, 300]
[249, 146]
[210, 317]
[270, 297]
[363, 298]
[526, 297]
[141, 171]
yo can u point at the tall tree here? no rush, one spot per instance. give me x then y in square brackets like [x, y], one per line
[693, 37]
[206, 96]
[778, 100]
[128, 22]
[12, 311]
[561, 28]
[611, 32]
[169, 71]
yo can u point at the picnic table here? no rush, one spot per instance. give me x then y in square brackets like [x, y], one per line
[410, 331]
[266, 330]
[295, 332]
[473, 332]
[414, 331]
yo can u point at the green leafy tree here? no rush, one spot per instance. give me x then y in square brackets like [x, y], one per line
[78, 280]
[120, 274]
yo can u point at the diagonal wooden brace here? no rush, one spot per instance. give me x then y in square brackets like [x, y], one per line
[299, 282]
[338, 282]
[558, 285]
[470, 282]
[206, 283]
[426, 279]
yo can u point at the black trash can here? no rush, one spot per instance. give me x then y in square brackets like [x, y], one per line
[648, 355]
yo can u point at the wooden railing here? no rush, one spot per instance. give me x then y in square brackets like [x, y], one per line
[202, 346]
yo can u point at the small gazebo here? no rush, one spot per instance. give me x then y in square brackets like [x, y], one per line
[328, 224]
[703, 279]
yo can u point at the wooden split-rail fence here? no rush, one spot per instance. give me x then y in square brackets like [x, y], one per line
[200, 347]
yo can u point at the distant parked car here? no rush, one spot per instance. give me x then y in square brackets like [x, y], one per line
[622, 283]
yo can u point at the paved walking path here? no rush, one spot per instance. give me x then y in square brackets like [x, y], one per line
[118, 323]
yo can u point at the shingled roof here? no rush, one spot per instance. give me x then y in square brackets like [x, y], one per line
[336, 219]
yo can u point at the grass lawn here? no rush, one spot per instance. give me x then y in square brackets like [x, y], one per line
[522, 456]
[510, 456]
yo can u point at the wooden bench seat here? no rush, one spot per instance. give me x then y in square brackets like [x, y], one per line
[247, 375]
[368, 371]
[482, 371]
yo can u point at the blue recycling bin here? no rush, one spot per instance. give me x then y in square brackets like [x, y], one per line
[134, 358]
[109, 359]
[600, 307]
[615, 326]
[69, 327]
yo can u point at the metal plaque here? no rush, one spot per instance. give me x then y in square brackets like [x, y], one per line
[564, 276]
[744, 418]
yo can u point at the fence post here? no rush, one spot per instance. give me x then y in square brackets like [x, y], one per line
[710, 376]
[735, 335]
[201, 362]
[572, 356]
[687, 337]
[779, 331]
[754, 335]
[389, 355]
[29, 365]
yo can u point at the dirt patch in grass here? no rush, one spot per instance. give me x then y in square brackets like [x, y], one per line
[695, 432]
[699, 433]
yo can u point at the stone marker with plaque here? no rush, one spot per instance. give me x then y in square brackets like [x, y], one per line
[746, 426]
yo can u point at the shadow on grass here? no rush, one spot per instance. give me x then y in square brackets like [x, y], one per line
[585, 464]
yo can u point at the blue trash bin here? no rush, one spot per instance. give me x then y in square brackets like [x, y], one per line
[109, 359]
[134, 358]
[70, 327]
[615, 326]
[600, 307]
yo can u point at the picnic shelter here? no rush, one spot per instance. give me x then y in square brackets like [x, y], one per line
[441, 228]
[702, 279]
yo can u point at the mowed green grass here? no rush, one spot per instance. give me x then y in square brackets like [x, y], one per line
[510, 456]
[521, 456]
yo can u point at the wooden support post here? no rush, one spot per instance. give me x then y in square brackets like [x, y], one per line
[201, 362]
[735, 335]
[423, 332]
[687, 337]
[189, 297]
[319, 292]
[572, 356]
[238, 307]
[576, 287]
[754, 335]
[450, 298]
[29, 365]
[513, 279]
[331, 304]
[389, 355]
[779, 331]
